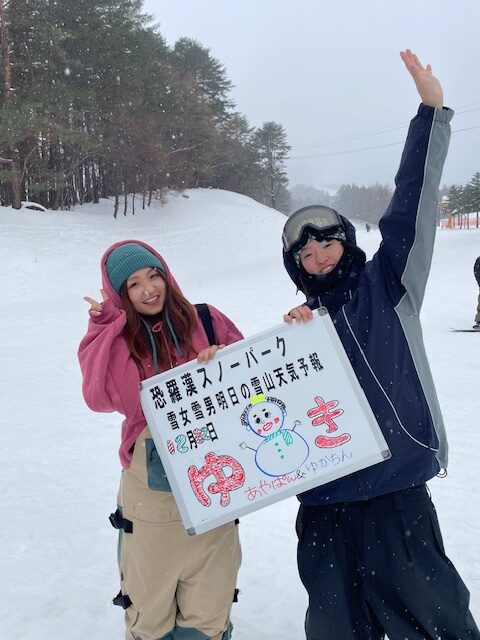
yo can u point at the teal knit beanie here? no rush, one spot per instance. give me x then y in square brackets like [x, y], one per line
[128, 258]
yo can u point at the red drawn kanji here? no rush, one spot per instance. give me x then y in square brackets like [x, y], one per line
[214, 466]
[325, 412]
[327, 442]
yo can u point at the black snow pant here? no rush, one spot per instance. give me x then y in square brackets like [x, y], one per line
[379, 568]
[476, 271]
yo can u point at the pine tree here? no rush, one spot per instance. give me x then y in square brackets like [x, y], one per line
[475, 194]
[193, 61]
[270, 143]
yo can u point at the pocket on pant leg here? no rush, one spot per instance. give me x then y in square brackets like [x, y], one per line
[137, 498]
[142, 503]
[437, 534]
[315, 548]
[156, 476]
[421, 531]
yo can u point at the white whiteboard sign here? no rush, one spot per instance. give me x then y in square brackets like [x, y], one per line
[269, 417]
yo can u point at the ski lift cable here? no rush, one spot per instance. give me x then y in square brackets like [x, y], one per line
[374, 132]
[379, 146]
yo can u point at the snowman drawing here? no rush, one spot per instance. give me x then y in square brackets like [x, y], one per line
[282, 450]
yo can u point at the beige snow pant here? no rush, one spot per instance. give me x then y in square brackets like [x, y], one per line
[180, 586]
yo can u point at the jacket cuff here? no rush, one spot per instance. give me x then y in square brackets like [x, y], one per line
[445, 114]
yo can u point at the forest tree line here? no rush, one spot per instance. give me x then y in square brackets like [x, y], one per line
[367, 203]
[463, 199]
[95, 104]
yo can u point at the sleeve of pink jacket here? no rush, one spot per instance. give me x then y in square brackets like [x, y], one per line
[110, 376]
[106, 362]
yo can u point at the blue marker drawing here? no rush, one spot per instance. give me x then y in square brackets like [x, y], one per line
[282, 450]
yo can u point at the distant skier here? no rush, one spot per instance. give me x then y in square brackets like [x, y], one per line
[370, 551]
[367, 227]
[476, 272]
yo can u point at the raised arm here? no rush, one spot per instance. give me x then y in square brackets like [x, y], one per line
[100, 353]
[408, 226]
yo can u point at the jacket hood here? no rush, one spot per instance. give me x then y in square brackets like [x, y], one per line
[107, 285]
[293, 269]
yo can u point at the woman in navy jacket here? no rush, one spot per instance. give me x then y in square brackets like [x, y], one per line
[370, 551]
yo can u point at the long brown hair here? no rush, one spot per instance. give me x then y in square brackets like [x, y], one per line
[182, 318]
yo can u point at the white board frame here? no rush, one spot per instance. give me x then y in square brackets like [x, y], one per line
[319, 335]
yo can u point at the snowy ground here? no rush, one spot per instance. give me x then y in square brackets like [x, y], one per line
[58, 461]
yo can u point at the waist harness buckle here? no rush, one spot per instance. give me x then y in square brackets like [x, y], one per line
[119, 522]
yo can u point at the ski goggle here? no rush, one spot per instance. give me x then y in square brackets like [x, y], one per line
[316, 217]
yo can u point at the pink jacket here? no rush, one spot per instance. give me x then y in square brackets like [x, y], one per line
[111, 377]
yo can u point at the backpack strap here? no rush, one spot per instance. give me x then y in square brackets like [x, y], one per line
[206, 318]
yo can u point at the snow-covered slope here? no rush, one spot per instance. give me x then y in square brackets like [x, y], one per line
[59, 468]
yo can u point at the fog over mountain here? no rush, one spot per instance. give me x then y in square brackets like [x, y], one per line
[330, 73]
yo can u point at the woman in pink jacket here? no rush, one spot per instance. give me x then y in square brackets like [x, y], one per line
[172, 585]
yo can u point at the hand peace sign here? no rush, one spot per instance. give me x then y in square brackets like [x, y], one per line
[96, 307]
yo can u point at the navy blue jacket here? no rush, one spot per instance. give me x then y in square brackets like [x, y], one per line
[376, 314]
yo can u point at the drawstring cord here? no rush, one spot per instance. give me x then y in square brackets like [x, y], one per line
[153, 343]
[172, 333]
[422, 444]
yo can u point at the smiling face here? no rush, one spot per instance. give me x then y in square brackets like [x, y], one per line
[320, 258]
[265, 418]
[146, 290]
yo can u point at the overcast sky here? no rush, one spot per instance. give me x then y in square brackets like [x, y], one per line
[330, 72]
